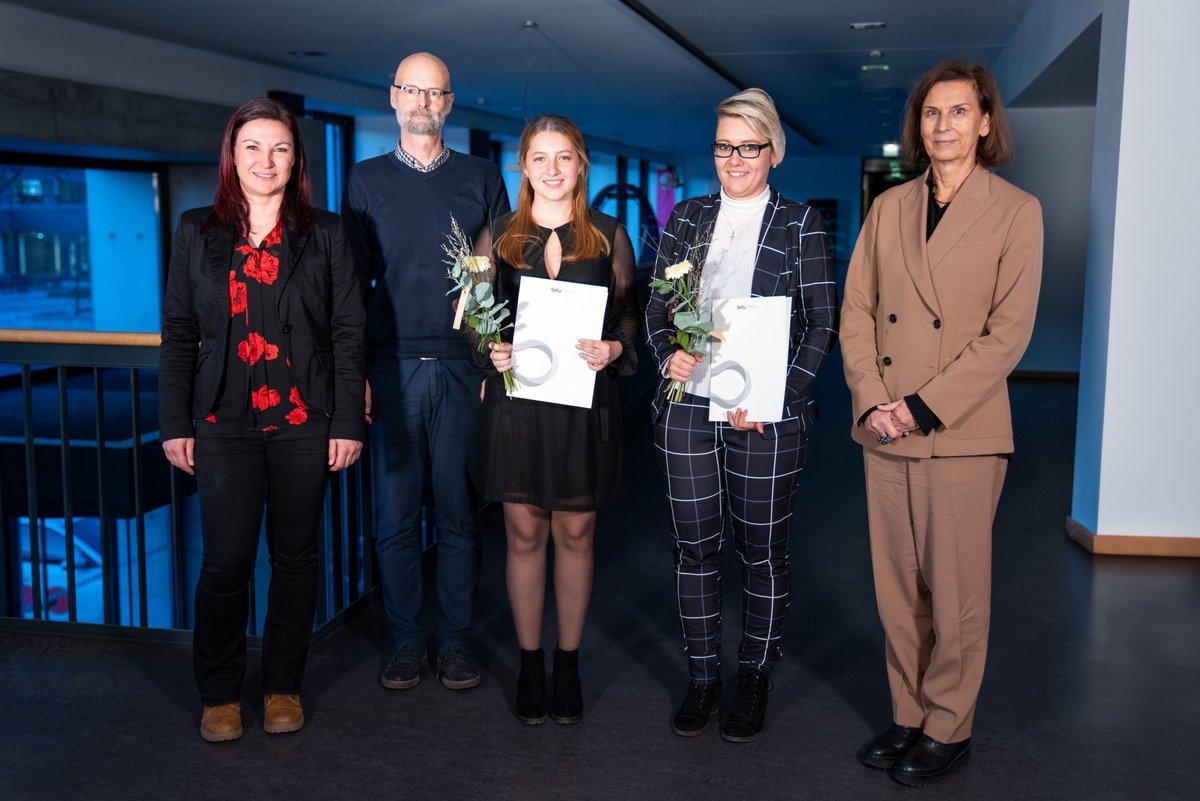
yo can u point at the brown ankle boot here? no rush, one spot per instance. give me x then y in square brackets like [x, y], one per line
[282, 713]
[221, 723]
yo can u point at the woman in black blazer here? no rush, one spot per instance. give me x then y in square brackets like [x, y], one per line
[261, 380]
[758, 244]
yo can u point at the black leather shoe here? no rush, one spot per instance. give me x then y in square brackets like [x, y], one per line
[929, 761]
[745, 721]
[887, 748]
[699, 705]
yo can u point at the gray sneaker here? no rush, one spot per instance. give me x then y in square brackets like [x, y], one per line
[404, 670]
[456, 669]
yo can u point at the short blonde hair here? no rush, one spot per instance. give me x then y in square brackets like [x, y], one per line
[756, 108]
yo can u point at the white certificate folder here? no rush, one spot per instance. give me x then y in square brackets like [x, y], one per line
[748, 365]
[552, 316]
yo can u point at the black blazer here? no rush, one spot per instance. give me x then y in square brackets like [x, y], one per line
[321, 316]
[793, 261]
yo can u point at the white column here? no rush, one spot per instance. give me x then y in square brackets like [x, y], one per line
[1145, 439]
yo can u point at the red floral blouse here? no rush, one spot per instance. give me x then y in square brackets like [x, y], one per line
[258, 392]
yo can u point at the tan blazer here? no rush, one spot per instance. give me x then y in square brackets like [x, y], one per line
[947, 319]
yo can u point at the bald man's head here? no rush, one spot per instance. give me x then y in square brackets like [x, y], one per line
[423, 65]
[417, 111]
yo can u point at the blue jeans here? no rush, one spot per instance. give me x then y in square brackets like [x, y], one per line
[426, 415]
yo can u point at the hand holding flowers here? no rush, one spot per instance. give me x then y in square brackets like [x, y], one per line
[681, 283]
[476, 302]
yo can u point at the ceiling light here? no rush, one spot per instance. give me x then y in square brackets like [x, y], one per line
[875, 54]
[875, 67]
[891, 150]
[867, 26]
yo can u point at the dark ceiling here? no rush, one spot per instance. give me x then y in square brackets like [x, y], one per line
[647, 73]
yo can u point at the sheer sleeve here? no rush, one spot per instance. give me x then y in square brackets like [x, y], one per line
[622, 322]
[483, 242]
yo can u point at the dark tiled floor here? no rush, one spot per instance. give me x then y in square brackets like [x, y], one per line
[1091, 690]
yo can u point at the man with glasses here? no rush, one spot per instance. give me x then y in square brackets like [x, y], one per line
[423, 389]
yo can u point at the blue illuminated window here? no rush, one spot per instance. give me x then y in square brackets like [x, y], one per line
[80, 248]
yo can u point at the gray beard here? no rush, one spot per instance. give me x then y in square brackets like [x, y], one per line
[431, 128]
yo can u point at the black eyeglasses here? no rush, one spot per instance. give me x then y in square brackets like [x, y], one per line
[749, 150]
[413, 91]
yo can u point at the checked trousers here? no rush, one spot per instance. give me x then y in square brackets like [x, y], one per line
[714, 474]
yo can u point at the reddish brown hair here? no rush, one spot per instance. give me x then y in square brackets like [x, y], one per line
[994, 150]
[230, 209]
[589, 242]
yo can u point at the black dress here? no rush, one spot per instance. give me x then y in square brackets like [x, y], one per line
[561, 458]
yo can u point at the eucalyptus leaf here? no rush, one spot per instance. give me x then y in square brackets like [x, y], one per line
[685, 319]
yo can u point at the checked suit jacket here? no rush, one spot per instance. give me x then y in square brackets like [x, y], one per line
[792, 261]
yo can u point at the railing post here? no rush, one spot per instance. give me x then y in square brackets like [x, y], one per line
[64, 423]
[139, 509]
[35, 557]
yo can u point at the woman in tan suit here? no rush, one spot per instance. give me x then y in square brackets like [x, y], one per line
[940, 300]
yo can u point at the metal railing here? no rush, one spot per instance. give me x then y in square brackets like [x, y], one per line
[95, 526]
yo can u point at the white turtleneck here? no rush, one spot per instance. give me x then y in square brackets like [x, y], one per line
[729, 268]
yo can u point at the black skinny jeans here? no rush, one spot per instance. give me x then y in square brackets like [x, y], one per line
[238, 471]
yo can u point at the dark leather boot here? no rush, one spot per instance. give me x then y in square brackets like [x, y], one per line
[567, 706]
[531, 688]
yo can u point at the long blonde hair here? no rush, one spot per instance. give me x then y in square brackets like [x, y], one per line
[589, 241]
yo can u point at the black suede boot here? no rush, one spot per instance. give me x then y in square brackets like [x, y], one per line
[531, 687]
[745, 721]
[567, 706]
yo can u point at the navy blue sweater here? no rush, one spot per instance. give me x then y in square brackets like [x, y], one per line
[396, 220]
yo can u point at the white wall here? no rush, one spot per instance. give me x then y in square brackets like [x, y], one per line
[1054, 163]
[1148, 478]
[1135, 448]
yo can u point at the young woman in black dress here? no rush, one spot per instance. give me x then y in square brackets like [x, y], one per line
[552, 465]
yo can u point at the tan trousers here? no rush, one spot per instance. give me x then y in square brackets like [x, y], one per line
[931, 552]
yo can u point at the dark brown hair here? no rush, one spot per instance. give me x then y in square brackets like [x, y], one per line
[994, 150]
[230, 209]
[589, 242]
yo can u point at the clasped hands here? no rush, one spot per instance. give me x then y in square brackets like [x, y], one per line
[680, 367]
[890, 421]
